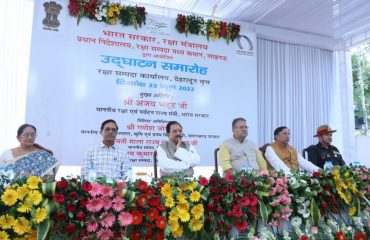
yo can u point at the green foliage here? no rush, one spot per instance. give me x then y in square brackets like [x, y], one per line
[360, 62]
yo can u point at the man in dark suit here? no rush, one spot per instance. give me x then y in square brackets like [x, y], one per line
[323, 151]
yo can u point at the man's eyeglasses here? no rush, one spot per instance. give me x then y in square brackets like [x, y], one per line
[107, 129]
[27, 135]
[242, 127]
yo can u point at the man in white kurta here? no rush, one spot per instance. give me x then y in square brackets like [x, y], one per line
[174, 156]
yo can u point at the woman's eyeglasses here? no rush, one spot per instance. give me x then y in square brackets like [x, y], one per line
[27, 135]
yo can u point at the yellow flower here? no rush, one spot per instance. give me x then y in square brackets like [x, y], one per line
[182, 207]
[6, 221]
[40, 215]
[33, 182]
[110, 13]
[192, 185]
[35, 197]
[184, 216]
[21, 226]
[170, 202]
[4, 235]
[336, 174]
[181, 198]
[112, 21]
[22, 192]
[178, 233]
[211, 29]
[352, 211]
[197, 211]
[174, 225]
[166, 190]
[32, 235]
[195, 196]
[195, 225]
[25, 207]
[9, 197]
[173, 216]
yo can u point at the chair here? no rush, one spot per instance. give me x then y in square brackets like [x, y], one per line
[216, 159]
[263, 151]
[155, 163]
[306, 150]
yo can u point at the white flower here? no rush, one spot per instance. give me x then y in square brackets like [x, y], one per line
[296, 222]
[303, 183]
[286, 235]
[203, 29]
[333, 225]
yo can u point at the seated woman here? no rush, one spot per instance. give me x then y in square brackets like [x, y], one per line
[29, 158]
[282, 156]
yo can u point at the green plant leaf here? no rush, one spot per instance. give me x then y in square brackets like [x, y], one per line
[43, 229]
[315, 213]
[263, 212]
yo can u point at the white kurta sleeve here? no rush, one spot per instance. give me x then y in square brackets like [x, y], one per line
[306, 165]
[6, 157]
[191, 157]
[275, 161]
[168, 164]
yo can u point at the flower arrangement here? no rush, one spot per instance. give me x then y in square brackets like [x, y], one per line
[345, 185]
[275, 206]
[149, 220]
[211, 28]
[231, 203]
[107, 12]
[317, 206]
[70, 199]
[304, 188]
[362, 181]
[133, 16]
[184, 201]
[25, 210]
[106, 208]
[113, 13]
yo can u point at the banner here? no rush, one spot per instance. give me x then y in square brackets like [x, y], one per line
[82, 74]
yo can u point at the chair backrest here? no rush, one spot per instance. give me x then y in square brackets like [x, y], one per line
[304, 151]
[216, 159]
[155, 163]
[263, 151]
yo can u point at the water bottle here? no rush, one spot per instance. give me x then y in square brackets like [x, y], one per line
[92, 173]
[356, 163]
[328, 164]
[246, 167]
[2, 170]
[10, 172]
[129, 173]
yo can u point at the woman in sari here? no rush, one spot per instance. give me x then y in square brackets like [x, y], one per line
[29, 158]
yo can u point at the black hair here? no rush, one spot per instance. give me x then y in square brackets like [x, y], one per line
[107, 121]
[170, 123]
[279, 129]
[24, 126]
[237, 120]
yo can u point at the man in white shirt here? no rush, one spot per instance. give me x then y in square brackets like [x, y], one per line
[282, 156]
[175, 156]
[108, 160]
